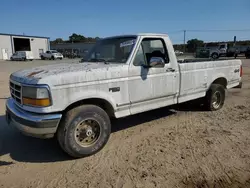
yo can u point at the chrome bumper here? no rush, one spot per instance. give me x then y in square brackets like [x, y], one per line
[31, 124]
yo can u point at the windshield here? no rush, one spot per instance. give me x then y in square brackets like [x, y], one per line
[54, 51]
[115, 49]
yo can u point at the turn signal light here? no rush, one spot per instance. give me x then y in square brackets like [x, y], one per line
[36, 102]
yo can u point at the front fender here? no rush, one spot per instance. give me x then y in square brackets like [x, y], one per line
[90, 94]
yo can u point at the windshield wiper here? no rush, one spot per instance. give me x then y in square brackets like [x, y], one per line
[96, 60]
[99, 60]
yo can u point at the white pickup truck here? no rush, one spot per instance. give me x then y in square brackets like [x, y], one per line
[51, 54]
[121, 76]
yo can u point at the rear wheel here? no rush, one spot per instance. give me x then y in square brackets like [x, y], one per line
[53, 58]
[215, 55]
[43, 58]
[215, 97]
[84, 131]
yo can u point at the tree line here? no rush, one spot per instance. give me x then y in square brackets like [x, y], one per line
[75, 38]
[193, 44]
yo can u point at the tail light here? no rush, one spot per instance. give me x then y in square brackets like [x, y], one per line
[241, 72]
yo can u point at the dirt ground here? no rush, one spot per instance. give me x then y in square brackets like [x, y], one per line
[161, 148]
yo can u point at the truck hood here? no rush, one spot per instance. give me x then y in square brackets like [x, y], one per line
[63, 74]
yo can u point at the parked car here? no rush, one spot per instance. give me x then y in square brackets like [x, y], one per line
[221, 50]
[22, 56]
[121, 76]
[177, 52]
[247, 53]
[51, 54]
[71, 55]
[233, 52]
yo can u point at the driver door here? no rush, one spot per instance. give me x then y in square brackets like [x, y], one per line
[153, 87]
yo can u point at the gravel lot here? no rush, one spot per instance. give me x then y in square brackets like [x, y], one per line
[161, 148]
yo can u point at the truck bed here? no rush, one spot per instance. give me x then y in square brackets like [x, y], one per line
[194, 60]
[196, 76]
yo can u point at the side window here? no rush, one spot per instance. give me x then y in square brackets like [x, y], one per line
[151, 47]
[139, 57]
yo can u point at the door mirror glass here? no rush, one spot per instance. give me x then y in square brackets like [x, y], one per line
[156, 62]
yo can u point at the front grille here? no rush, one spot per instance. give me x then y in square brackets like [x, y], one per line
[16, 91]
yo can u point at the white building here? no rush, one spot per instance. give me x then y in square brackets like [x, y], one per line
[10, 43]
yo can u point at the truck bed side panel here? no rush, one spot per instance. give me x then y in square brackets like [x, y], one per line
[196, 78]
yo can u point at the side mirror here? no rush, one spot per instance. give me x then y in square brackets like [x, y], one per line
[156, 62]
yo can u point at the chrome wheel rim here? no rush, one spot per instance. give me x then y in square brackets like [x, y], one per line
[87, 132]
[216, 100]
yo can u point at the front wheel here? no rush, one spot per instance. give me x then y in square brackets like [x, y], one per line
[215, 97]
[215, 56]
[84, 131]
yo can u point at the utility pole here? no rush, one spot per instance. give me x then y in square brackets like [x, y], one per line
[184, 41]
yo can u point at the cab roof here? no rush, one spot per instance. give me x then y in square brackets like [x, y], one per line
[152, 34]
[140, 34]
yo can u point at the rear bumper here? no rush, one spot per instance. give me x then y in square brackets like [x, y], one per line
[31, 124]
[239, 86]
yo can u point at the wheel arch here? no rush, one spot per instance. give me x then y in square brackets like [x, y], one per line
[221, 80]
[102, 103]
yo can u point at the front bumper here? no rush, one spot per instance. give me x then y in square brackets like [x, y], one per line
[58, 56]
[31, 124]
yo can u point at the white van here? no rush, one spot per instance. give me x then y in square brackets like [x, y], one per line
[22, 55]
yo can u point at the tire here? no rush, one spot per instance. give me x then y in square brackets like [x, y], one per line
[215, 97]
[74, 138]
[24, 59]
[215, 55]
[42, 58]
[53, 58]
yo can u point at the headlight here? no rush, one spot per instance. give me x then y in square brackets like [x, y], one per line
[36, 96]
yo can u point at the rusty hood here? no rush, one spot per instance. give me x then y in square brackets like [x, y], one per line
[62, 74]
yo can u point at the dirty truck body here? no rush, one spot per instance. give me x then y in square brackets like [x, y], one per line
[122, 76]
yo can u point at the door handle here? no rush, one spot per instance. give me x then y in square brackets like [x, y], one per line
[170, 70]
